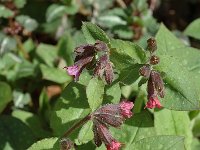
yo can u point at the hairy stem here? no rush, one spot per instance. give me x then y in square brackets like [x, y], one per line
[77, 125]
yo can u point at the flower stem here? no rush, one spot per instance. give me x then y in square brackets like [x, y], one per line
[77, 125]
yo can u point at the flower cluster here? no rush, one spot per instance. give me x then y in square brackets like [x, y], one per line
[155, 85]
[110, 115]
[86, 58]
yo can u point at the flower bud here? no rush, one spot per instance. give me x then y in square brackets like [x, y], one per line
[154, 60]
[151, 45]
[66, 144]
[145, 71]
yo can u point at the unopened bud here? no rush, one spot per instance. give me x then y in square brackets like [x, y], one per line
[145, 71]
[66, 144]
[154, 60]
[152, 46]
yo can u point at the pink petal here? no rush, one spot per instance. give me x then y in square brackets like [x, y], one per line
[73, 71]
[153, 102]
[114, 146]
[125, 107]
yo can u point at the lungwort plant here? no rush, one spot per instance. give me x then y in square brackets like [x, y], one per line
[68, 82]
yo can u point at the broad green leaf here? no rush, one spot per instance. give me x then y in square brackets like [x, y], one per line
[66, 48]
[123, 31]
[29, 45]
[5, 95]
[193, 29]
[46, 144]
[69, 109]
[180, 93]
[28, 23]
[95, 92]
[56, 11]
[7, 44]
[5, 12]
[47, 53]
[129, 48]
[20, 3]
[136, 128]
[169, 122]
[130, 74]
[92, 33]
[195, 144]
[55, 74]
[32, 121]
[161, 142]
[168, 44]
[112, 93]
[120, 60]
[14, 134]
[25, 69]
[86, 133]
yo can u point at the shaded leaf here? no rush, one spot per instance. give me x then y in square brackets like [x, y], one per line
[5, 95]
[14, 134]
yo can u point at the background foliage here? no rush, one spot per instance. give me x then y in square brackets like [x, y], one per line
[39, 101]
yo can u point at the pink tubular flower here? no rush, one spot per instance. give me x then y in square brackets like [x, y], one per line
[114, 146]
[153, 102]
[73, 71]
[125, 107]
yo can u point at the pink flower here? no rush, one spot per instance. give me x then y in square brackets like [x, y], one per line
[153, 102]
[114, 145]
[125, 107]
[73, 71]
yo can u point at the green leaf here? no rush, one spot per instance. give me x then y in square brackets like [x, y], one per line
[5, 12]
[130, 74]
[95, 91]
[112, 93]
[69, 109]
[193, 29]
[168, 44]
[32, 121]
[66, 48]
[7, 44]
[181, 93]
[120, 59]
[161, 142]
[47, 53]
[55, 74]
[46, 144]
[5, 95]
[25, 69]
[56, 11]
[20, 3]
[14, 134]
[28, 23]
[86, 133]
[92, 33]
[129, 48]
[29, 45]
[169, 122]
[21, 99]
[134, 129]
[179, 68]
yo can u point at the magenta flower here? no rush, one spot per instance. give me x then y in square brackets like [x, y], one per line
[114, 146]
[153, 102]
[73, 71]
[125, 107]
